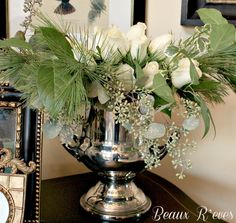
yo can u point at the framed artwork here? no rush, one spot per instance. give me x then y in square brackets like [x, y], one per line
[76, 12]
[102, 12]
[20, 142]
[95, 12]
[3, 17]
[189, 16]
[12, 197]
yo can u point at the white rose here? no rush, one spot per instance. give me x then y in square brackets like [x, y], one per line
[160, 44]
[112, 42]
[150, 70]
[136, 31]
[181, 76]
[138, 48]
[125, 74]
[117, 40]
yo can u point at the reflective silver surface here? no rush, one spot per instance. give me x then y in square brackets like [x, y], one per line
[116, 202]
[108, 148]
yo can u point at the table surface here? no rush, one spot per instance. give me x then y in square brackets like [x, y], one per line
[60, 200]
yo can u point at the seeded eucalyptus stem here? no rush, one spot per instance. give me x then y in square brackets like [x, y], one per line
[31, 8]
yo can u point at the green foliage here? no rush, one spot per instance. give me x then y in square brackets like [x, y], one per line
[56, 42]
[138, 70]
[221, 37]
[11, 62]
[222, 33]
[221, 66]
[193, 74]
[210, 90]
[162, 89]
[205, 112]
[161, 105]
[15, 42]
[211, 16]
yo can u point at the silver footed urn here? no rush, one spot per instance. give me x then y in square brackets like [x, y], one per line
[108, 149]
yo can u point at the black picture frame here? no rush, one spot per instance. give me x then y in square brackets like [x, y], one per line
[139, 12]
[3, 19]
[28, 146]
[189, 16]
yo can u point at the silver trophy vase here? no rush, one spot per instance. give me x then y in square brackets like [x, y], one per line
[108, 149]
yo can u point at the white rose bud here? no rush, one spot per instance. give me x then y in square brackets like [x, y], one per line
[136, 31]
[138, 41]
[111, 41]
[138, 48]
[125, 74]
[117, 40]
[181, 76]
[160, 44]
[150, 70]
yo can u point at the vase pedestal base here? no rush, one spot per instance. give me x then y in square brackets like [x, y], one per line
[116, 201]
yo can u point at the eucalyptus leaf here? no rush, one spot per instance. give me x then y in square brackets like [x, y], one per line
[15, 42]
[97, 90]
[172, 50]
[69, 89]
[102, 95]
[211, 16]
[138, 70]
[206, 115]
[193, 73]
[162, 89]
[49, 87]
[51, 129]
[57, 42]
[221, 37]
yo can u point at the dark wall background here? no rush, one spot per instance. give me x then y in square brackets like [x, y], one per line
[3, 32]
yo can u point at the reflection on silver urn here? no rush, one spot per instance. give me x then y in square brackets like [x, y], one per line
[108, 149]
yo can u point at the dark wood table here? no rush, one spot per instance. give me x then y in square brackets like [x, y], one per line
[60, 200]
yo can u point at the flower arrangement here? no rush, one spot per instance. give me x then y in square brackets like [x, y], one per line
[63, 72]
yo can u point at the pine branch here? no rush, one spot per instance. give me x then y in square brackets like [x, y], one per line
[210, 90]
[221, 66]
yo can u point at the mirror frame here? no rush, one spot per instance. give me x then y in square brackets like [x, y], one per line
[28, 146]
